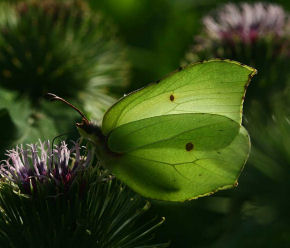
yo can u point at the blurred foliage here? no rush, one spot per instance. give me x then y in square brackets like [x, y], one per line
[28, 124]
[158, 33]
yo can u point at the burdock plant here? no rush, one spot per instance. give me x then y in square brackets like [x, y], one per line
[255, 34]
[61, 47]
[55, 197]
[56, 167]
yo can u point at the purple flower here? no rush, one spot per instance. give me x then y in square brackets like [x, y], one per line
[246, 22]
[39, 163]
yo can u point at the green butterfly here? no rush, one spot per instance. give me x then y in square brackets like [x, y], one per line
[180, 138]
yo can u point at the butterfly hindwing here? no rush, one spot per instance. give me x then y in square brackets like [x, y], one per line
[169, 170]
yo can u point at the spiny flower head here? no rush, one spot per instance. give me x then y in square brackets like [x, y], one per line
[232, 30]
[246, 22]
[36, 164]
[62, 47]
[63, 199]
[254, 34]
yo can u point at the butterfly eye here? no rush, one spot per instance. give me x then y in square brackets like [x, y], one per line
[189, 146]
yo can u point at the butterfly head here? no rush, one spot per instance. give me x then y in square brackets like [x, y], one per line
[90, 131]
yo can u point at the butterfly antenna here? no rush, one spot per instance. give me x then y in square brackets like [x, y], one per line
[53, 97]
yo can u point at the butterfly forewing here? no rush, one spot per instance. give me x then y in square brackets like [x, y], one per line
[215, 87]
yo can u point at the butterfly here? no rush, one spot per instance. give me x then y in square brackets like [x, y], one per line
[179, 138]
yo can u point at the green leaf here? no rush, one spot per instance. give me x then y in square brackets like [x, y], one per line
[29, 124]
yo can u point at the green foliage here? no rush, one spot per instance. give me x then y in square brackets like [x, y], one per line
[23, 123]
[97, 211]
[156, 32]
[266, 208]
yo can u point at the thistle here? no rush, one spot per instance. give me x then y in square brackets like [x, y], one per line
[41, 164]
[246, 23]
[57, 198]
[255, 34]
[60, 47]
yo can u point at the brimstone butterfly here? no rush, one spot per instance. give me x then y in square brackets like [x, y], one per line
[179, 138]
